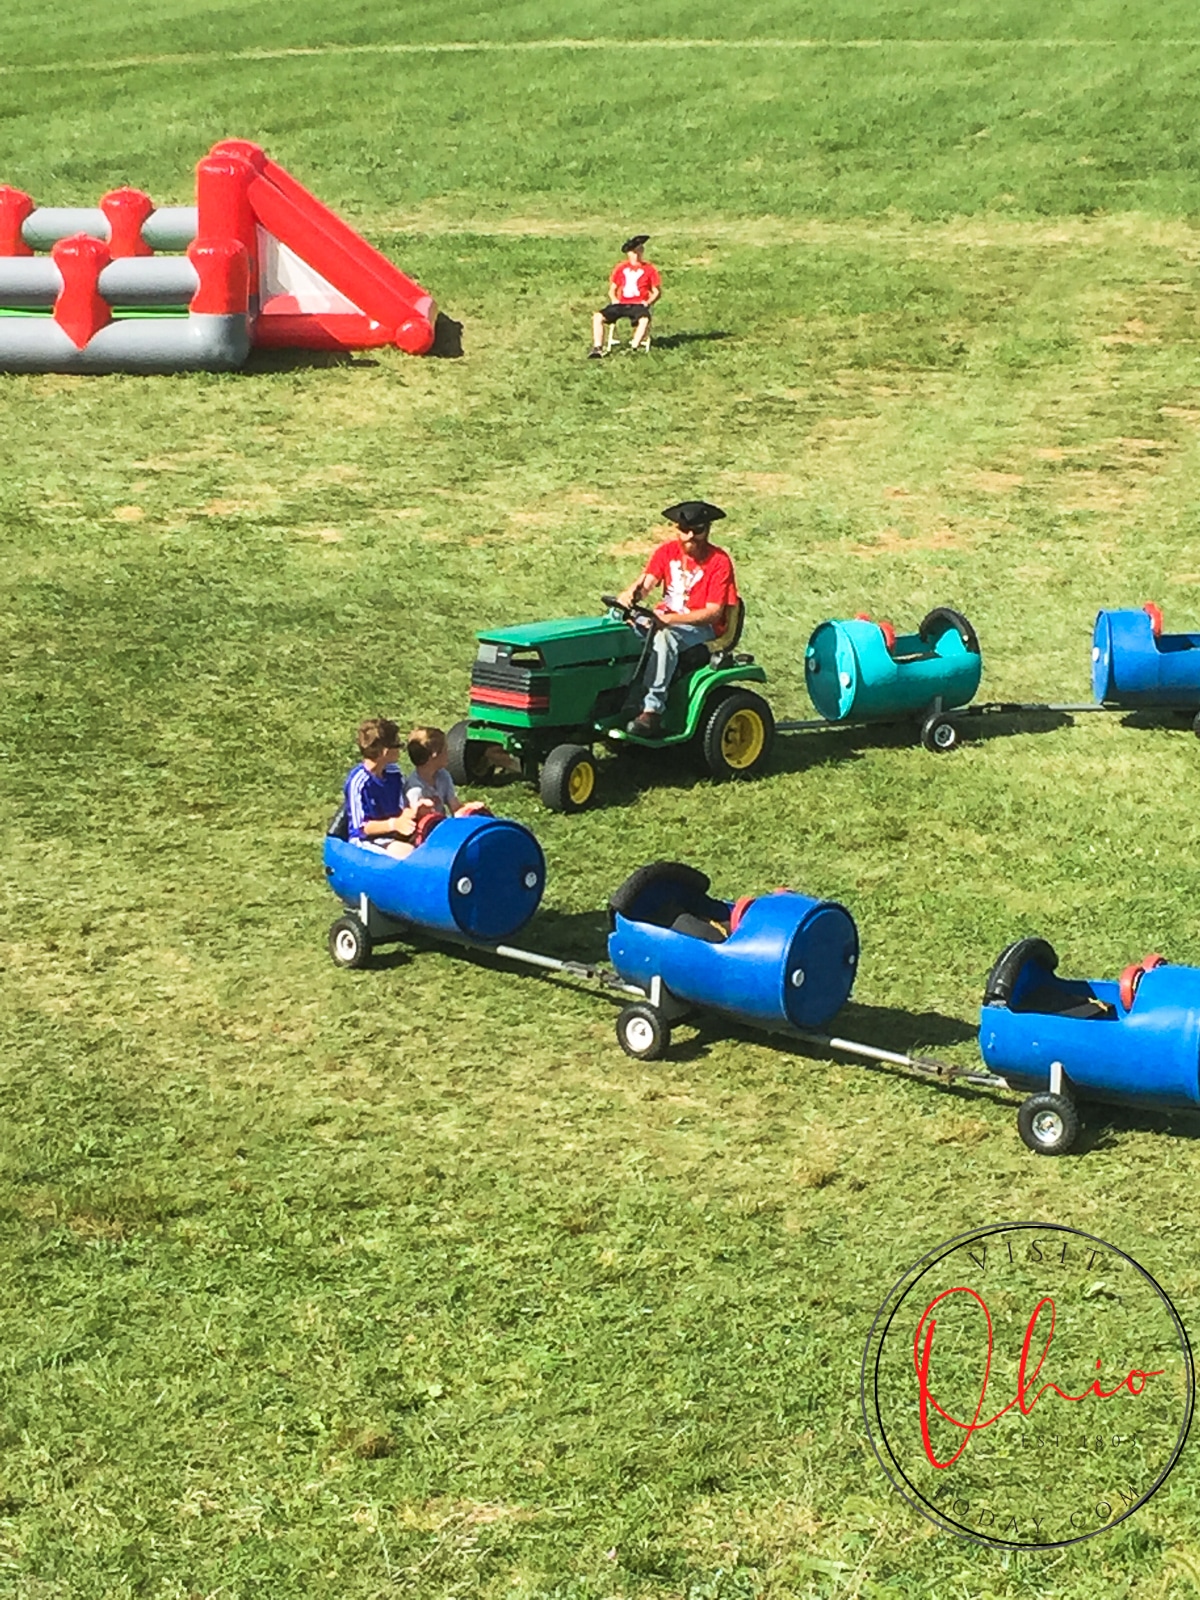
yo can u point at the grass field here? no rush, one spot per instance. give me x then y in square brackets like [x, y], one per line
[407, 1281]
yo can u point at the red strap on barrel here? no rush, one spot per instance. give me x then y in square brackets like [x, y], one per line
[1133, 975]
[1155, 614]
[739, 911]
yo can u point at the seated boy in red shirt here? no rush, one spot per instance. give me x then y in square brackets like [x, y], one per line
[633, 288]
[698, 590]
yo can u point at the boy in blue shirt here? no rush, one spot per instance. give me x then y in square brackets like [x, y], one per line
[375, 807]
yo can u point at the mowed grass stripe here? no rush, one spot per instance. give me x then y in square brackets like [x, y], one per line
[529, 46]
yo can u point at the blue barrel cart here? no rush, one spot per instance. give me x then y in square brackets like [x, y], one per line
[476, 879]
[782, 960]
[859, 671]
[1130, 1041]
[1136, 666]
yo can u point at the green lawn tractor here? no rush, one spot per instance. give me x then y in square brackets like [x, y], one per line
[548, 692]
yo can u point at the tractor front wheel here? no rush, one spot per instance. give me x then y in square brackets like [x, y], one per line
[467, 759]
[568, 779]
[736, 735]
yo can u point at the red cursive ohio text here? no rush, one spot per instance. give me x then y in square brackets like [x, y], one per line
[1134, 1381]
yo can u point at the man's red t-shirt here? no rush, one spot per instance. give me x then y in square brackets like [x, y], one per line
[632, 285]
[690, 584]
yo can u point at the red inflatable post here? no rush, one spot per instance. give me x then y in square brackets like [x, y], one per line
[223, 182]
[224, 272]
[81, 310]
[125, 210]
[15, 206]
[246, 149]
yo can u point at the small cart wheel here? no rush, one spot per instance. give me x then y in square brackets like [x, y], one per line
[642, 1032]
[349, 943]
[939, 734]
[1048, 1123]
[568, 779]
[1196, 724]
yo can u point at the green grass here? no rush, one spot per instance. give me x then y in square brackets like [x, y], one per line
[407, 1281]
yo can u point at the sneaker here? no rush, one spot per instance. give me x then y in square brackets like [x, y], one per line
[595, 353]
[646, 725]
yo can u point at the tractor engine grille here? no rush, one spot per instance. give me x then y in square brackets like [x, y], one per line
[499, 683]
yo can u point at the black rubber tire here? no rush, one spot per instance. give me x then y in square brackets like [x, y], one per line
[736, 711]
[467, 761]
[1048, 1124]
[568, 781]
[642, 1033]
[349, 942]
[939, 733]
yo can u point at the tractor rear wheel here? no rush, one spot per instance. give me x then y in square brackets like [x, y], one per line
[736, 734]
[568, 779]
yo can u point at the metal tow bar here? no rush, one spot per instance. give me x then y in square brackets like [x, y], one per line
[926, 1065]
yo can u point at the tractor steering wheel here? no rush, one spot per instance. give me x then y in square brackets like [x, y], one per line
[632, 613]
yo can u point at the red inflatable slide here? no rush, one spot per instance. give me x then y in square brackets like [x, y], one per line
[321, 286]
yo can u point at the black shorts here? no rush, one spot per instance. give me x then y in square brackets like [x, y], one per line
[620, 313]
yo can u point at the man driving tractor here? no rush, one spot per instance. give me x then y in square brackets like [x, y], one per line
[698, 590]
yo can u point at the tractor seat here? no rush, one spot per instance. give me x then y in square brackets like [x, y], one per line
[717, 650]
[731, 633]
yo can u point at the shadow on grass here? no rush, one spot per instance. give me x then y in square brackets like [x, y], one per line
[263, 362]
[1103, 1127]
[1007, 724]
[883, 1027]
[1169, 717]
[1003, 724]
[447, 338]
[844, 740]
[676, 341]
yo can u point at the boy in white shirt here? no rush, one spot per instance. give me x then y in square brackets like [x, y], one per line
[431, 783]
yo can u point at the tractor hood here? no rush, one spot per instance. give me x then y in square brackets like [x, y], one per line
[571, 642]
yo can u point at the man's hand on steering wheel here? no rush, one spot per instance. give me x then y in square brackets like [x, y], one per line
[632, 613]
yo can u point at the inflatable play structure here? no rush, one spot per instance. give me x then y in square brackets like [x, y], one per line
[257, 263]
[1135, 665]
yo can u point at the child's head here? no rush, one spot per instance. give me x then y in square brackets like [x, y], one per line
[426, 745]
[376, 735]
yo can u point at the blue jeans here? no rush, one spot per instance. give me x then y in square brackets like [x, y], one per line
[664, 657]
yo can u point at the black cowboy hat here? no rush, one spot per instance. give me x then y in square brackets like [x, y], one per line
[693, 514]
